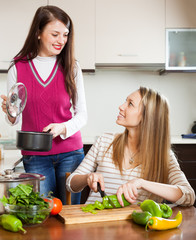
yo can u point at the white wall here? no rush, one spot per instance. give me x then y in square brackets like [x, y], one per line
[107, 89]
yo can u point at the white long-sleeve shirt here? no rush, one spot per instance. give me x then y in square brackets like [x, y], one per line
[44, 66]
[95, 160]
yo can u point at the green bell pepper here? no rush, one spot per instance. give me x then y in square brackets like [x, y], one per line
[98, 205]
[11, 223]
[166, 210]
[157, 210]
[91, 207]
[114, 199]
[105, 204]
[141, 217]
[152, 207]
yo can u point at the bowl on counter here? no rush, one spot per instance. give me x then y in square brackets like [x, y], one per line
[30, 215]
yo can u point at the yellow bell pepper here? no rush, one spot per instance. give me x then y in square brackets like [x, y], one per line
[158, 223]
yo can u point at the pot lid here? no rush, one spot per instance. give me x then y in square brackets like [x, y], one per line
[16, 99]
[11, 176]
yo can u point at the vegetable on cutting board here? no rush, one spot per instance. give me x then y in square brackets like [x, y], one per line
[114, 199]
[105, 204]
[158, 223]
[11, 223]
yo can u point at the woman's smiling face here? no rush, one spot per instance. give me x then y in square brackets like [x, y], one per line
[53, 39]
[131, 111]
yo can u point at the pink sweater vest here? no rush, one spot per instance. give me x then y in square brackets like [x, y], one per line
[47, 102]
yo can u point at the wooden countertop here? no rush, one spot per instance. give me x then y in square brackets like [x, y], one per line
[53, 229]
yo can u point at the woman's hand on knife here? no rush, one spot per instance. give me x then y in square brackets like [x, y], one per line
[93, 179]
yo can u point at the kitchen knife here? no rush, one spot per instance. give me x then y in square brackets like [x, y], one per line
[103, 194]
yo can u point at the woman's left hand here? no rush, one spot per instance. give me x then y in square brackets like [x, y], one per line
[56, 129]
[129, 190]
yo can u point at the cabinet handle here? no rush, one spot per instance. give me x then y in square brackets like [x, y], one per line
[128, 55]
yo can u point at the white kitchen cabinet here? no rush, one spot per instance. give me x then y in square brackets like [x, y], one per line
[130, 31]
[180, 14]
[15, 20]
[82, 13]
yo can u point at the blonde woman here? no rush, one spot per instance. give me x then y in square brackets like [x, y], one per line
[138, 162]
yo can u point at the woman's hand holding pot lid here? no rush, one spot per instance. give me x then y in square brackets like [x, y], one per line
[3, 106]
[56, 129]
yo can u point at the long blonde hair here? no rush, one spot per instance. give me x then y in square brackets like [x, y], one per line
[154, 138]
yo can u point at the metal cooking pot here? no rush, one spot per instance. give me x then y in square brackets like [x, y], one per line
[34, 141]
[11, 179]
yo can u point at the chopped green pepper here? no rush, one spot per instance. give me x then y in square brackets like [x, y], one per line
[166, 210]
[98, 205]
[11, 223]
[114, 199]
[152, 207]
[89, 208]
[105, 204]
[141, 217]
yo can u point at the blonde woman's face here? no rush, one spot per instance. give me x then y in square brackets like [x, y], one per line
[131, 111]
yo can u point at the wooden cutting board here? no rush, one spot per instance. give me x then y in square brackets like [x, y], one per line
[73, 214]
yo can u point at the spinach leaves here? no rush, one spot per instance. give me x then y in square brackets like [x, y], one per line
[29, 207]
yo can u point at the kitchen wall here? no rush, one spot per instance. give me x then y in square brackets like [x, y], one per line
[106, 89]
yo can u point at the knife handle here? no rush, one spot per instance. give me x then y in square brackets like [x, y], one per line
[99, 190]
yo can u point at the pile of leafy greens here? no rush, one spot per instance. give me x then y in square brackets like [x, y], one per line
[29, 207]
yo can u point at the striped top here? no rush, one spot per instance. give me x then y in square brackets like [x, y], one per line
[94, 161]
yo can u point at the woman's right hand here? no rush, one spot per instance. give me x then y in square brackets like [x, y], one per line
[3, 105]
[93, 179]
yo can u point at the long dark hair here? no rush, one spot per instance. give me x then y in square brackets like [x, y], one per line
[43, 16]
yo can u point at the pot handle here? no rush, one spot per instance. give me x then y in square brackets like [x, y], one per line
[47, 131]
[41, 177]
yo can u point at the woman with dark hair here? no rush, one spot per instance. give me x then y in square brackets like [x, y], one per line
[54, 82]
[139, 162]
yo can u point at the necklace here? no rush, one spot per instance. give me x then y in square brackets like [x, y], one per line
[131, 159]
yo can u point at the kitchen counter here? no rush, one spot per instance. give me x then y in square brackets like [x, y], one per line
[10, 144]
[180, 140]
[12, 154]
[53, 229]
[174, 140]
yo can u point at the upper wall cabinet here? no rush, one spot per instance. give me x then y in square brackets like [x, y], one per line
[180, 14]
[130, 31]
[82, 14]
[15, 20]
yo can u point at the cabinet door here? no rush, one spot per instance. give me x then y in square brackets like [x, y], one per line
[82, 13]
[130, 31]
[15, 20]
[186, 155]
[180, 14]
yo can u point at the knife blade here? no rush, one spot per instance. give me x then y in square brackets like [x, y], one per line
[103, 194]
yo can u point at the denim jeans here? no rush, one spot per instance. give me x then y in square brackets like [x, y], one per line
[54, 168]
